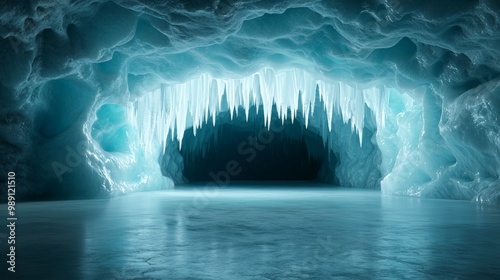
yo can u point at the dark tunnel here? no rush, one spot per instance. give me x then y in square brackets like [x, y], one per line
[235, 151]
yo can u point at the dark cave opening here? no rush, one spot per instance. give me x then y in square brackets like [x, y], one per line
[240, 151]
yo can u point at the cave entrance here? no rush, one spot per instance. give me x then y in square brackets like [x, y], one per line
[237, 151]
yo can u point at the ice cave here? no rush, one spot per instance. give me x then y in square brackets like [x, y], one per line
[250, 139]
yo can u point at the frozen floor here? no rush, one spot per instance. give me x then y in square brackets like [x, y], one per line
[256, 234]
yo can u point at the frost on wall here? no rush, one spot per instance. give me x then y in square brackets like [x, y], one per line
[424, 74]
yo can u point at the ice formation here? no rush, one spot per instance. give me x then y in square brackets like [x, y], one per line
[166, 110]
[92, 92]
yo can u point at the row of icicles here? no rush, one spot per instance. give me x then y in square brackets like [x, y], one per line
[172, 109]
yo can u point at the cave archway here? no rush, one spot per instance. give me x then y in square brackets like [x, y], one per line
[245, 145]
[238, 150]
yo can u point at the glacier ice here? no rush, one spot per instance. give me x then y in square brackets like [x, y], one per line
[405, 93]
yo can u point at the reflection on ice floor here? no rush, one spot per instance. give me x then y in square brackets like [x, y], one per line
[256, 234]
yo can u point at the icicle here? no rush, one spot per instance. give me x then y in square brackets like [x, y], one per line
[214, 103]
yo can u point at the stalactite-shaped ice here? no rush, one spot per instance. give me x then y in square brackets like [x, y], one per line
[172, 109]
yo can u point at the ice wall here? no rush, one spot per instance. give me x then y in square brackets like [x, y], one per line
[63, 61]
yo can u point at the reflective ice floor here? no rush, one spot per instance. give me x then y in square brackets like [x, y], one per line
[245, 233]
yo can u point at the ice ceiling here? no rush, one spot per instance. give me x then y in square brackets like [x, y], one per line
[403, 93]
